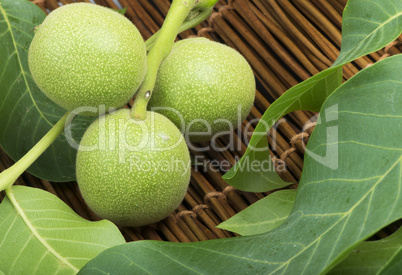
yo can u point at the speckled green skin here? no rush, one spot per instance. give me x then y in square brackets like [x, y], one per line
[206, 80]
[135, 184]
[87, 55]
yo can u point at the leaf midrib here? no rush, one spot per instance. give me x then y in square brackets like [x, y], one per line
[35, 233]
[254, 224]
[5, 15]
[345, 215]
[345, 54]
[386, 265]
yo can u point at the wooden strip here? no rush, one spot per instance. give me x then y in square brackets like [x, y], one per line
[206, 215]
[277, 85]
[206, 219]
[342, 2]
[327, 28]
[186, 216]
[291, 46]
[111, 4]
[131, 14]
[51, 4]
[156, 16]
[171, 224]
[205, 187]
[321, 21]
[308, 28]
[167, 233]
[186, 230]
[151, 234]
[277, 88]
[330, 12]
[130, 235]
[291, 29]
[144, 16]
[261, 51]
[245, 11]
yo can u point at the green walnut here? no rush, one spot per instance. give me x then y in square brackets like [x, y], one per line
[133, 172]
[204, 87]
[85, 55]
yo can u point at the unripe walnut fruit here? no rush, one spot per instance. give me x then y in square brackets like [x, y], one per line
[133, 172]
[87, 55]
[205, 87]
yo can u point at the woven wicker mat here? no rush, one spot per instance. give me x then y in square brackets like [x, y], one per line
[285, 42]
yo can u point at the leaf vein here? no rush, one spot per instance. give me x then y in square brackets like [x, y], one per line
[30, 226]
[20, 63]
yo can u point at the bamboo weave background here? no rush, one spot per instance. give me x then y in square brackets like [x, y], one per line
[285, 42]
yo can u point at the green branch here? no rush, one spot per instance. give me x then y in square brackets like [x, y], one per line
[191, 21]
[178, 12]
[182, 15]
[10, 175]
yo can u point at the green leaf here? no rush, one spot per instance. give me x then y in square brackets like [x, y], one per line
[357, 40]
[308, 95]
[351, 187]
[378, 257]
[262, 216]
[26, 114]
[121, 11]
[368, 26]
[40, 234]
